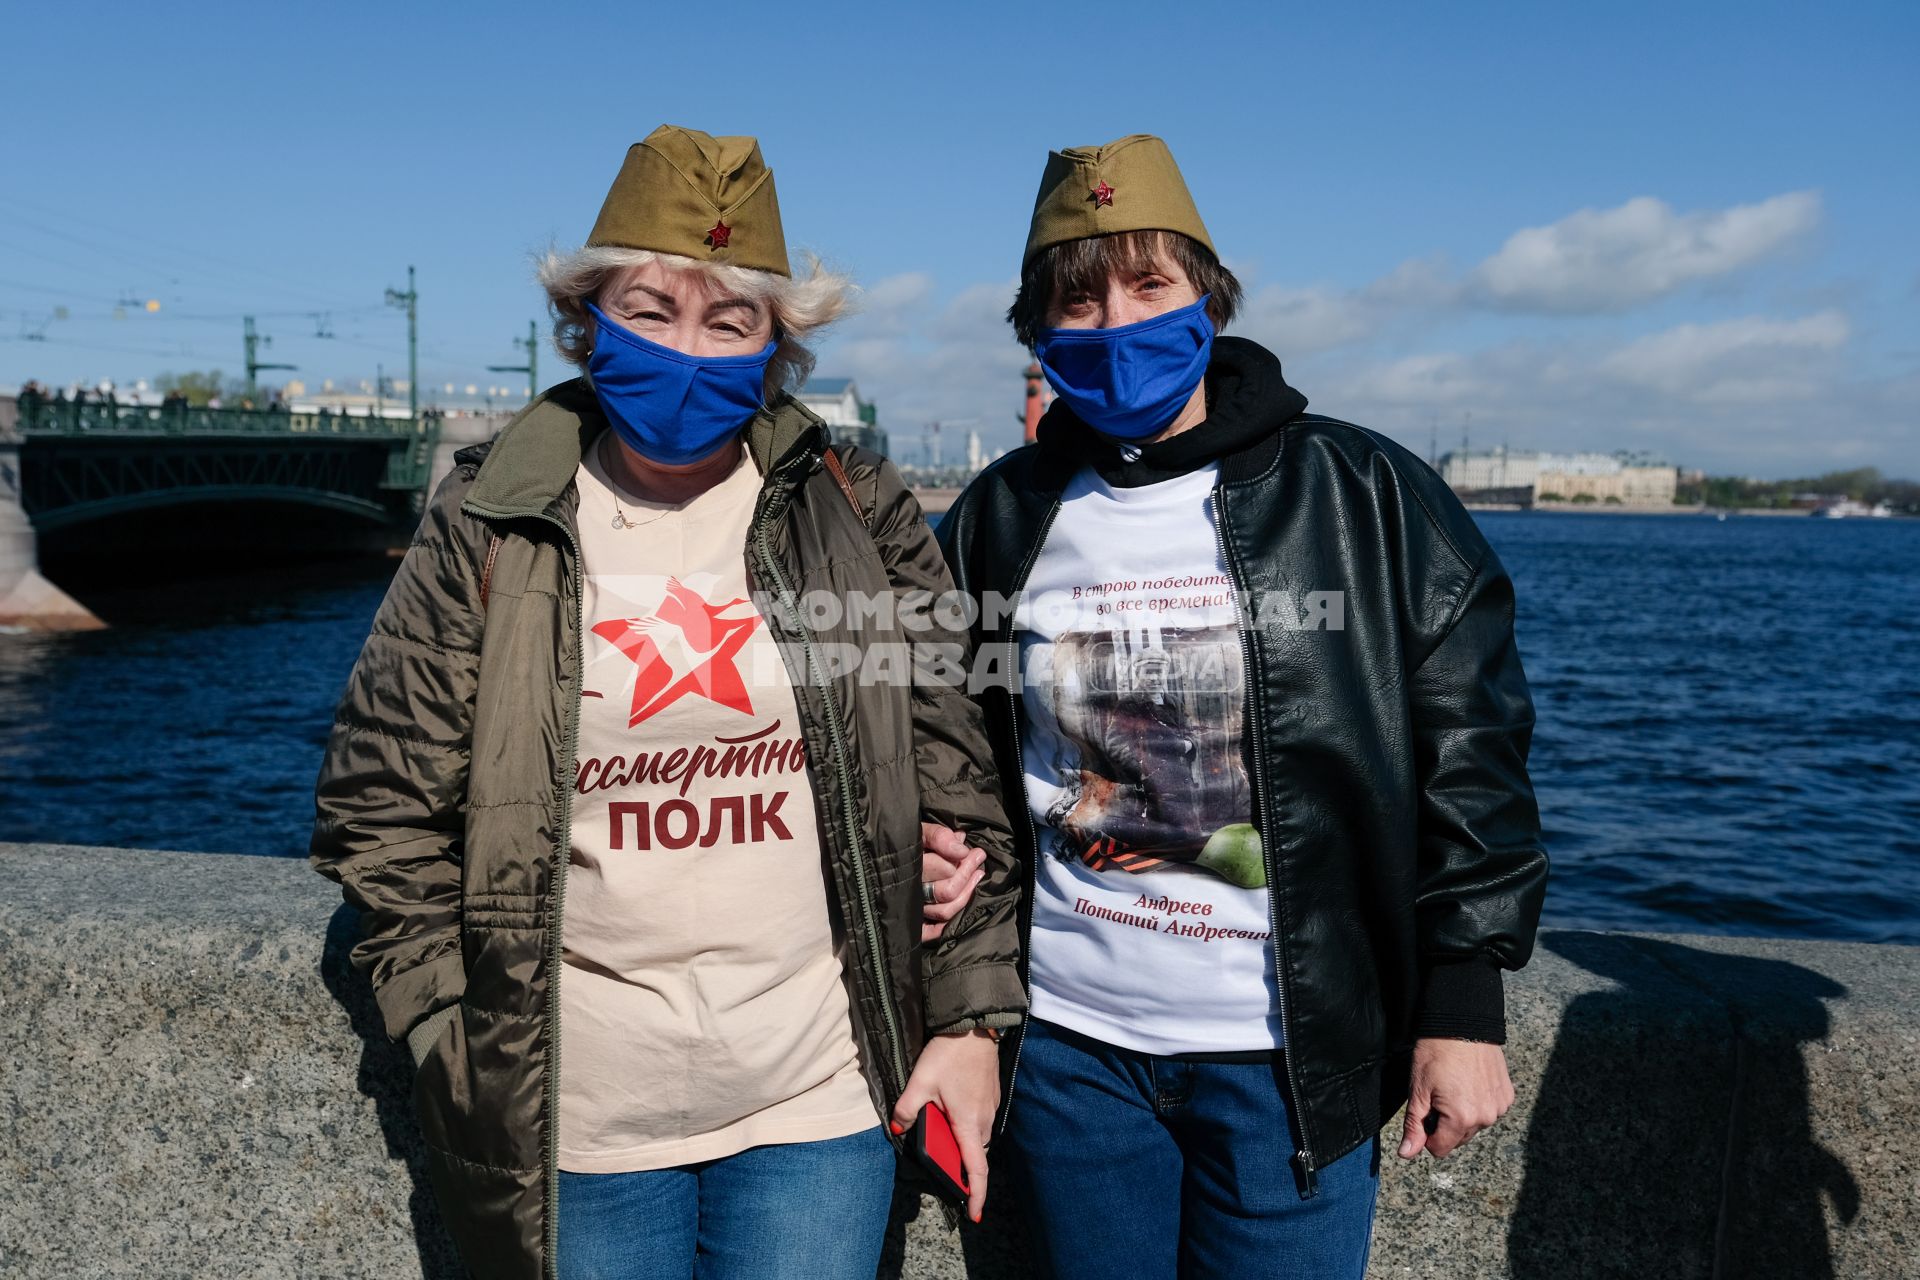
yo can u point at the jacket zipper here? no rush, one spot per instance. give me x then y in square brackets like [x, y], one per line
[1026, 811]
[1303, 1158]
[556, 936]
[835, 734]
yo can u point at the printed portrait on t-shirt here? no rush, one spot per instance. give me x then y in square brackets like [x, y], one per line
[1149, 751]
[1152, 927]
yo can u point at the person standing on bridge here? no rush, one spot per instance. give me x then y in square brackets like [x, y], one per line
[1271, 729]
[639, 848]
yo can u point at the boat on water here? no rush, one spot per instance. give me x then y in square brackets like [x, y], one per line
[1848, 507]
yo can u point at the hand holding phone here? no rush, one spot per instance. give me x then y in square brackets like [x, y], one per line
[934, 1146]
[943, 1115]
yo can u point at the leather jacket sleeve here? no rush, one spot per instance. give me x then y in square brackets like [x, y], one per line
[971, 973]
[389, 803]
[1482, 867]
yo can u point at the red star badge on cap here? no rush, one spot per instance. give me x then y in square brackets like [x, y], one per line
[720, 234]
[1102, 195]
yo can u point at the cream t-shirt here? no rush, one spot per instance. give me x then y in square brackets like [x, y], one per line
[702, 1008]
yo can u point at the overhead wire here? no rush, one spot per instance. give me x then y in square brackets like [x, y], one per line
[122, 239]
[164, 260]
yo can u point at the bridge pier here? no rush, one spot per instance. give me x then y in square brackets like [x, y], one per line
[27, 600]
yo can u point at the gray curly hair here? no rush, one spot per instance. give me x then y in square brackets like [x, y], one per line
[800, 306]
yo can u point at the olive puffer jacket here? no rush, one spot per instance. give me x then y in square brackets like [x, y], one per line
[444, 798]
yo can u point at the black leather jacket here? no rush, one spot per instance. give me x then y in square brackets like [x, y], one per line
[1388, 757]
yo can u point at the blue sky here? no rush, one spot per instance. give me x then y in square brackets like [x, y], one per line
[1681, 227]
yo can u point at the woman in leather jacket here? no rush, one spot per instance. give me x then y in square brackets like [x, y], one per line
[1267, 757]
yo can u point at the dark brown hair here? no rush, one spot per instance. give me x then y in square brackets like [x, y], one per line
[1082, 266]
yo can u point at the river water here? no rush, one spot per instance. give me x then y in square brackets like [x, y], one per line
[1728, 738]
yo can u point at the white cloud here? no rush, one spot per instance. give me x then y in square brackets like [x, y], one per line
[1755, 395]
[1596, 260]
[1608, 259]
[1296, 321]
[1443, 378]
[1749, 359]
[920, 361]
[895, 295]
[1423, 347]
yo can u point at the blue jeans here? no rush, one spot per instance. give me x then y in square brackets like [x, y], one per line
[1154, 1168]
[814, 1209]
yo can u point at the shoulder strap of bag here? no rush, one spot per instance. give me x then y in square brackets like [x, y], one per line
[486, 570]
[839, 474]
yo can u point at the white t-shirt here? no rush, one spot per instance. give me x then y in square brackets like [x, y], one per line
[1152, 925]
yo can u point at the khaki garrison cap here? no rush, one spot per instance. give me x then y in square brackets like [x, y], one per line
[1129, 185]
[711, 199]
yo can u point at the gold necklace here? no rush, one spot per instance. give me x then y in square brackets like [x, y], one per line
[620, 520]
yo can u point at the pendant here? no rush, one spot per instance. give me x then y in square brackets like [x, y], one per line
[619, 521]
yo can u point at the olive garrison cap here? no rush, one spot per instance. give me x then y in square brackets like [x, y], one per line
[1129, 185]
[711, 199]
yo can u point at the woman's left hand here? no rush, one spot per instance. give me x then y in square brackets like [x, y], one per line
[962, 1073]
[952, 871]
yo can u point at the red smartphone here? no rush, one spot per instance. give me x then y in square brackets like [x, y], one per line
[932, 1142]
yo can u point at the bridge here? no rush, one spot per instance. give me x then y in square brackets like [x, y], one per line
[89, 460]
[90, 482]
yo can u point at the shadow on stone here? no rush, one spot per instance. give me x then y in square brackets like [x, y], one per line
[1671, 1134]
[1002, 1245]
[386, 1076]
[921, 1239]
[893, 1253]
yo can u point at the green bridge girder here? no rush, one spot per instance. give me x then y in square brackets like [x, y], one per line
[87, 461]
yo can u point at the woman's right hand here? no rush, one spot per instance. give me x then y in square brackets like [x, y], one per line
[961, 1072]
[953, 870]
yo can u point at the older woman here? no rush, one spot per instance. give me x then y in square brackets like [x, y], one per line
[639, 849]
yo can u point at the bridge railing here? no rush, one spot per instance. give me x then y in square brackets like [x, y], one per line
[67, 418]
[409, 442]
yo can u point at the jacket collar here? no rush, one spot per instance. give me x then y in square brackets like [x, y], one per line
[526, 468]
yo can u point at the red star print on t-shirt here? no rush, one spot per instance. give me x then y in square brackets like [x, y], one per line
[685, 646]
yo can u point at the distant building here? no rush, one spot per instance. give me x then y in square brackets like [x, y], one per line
[849, 419]
[1517, 468]
[1631, 486]
[1630, 476]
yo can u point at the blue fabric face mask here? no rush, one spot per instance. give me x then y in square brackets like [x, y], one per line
[1132, 381]
[668, 406]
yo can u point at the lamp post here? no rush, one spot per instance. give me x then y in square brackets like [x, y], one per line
[410, 303]
[253, 342]
[532, 367]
